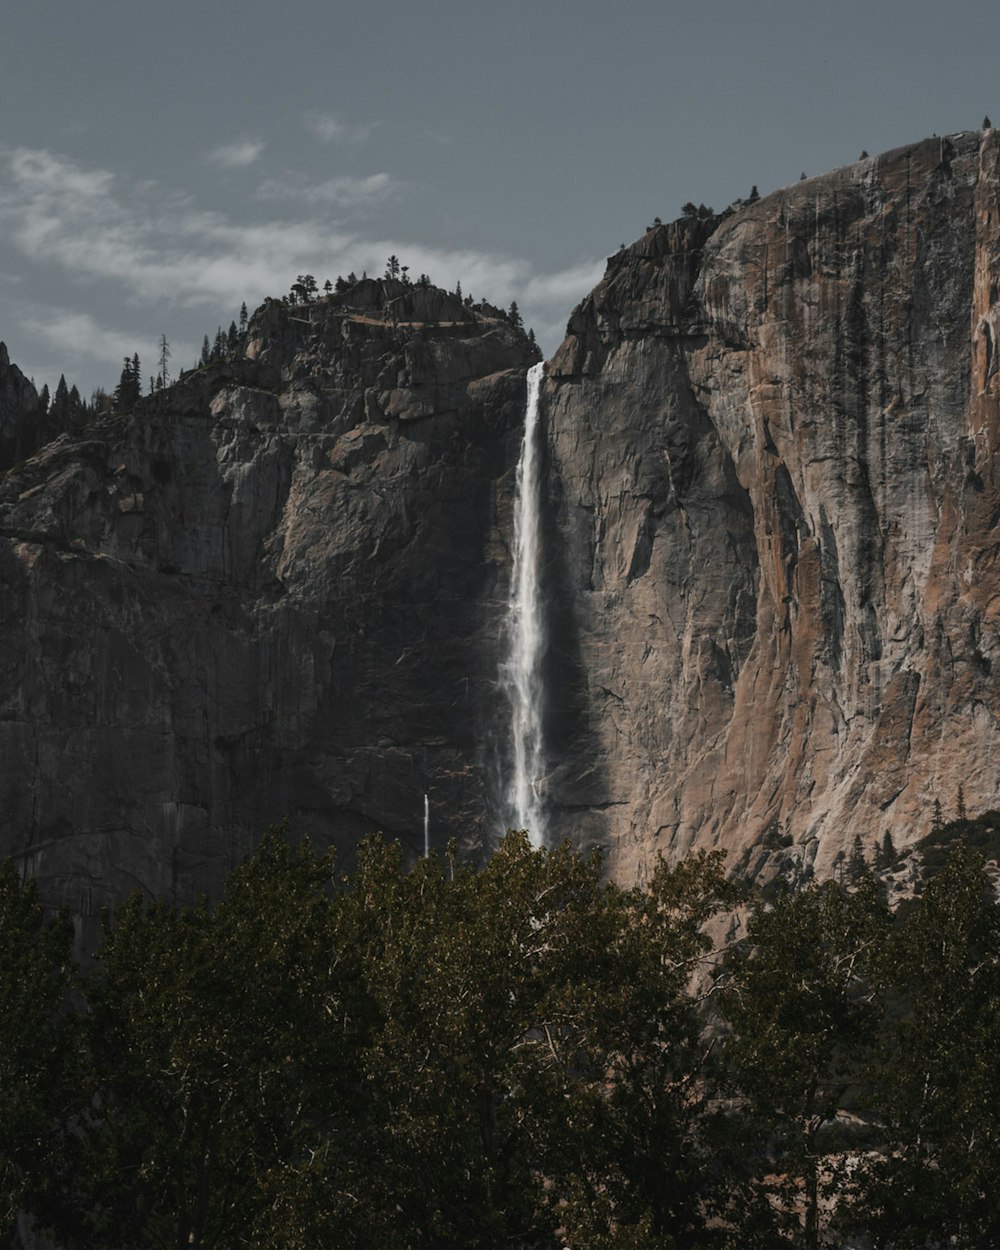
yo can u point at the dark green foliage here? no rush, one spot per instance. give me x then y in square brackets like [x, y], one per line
[857, 865]
[981, 835]
[885, 856]
[129, 388]
[209, 1033]
[936, 1178]
[35, 1043]
[522, 1055]
[66, 409]
[303, 289]
[797, 1000]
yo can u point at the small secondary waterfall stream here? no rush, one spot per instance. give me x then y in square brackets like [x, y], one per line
[521, 671]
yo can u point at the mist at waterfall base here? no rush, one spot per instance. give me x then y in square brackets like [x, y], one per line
[520, 673]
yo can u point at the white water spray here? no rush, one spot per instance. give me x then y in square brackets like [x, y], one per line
[522, 669]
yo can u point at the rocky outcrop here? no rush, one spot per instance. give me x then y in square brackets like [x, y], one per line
[773, 507]
[19, 413]
[273, 590]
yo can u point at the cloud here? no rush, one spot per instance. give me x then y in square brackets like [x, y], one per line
[160, 248]
[80, 335]
[329, 129]
[345, 193]
[73, 338]
[235, 155]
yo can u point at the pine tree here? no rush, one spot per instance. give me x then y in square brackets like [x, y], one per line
[392, 268]
[43, 399]
[60, 401]
[937, 817]
[888, 850]
[164, 376]
[515, 316]
[128, 392]
[206, 351]
[960, 812]
[245, 316]
[857, 867]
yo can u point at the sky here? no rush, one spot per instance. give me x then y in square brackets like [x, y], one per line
[161, 164]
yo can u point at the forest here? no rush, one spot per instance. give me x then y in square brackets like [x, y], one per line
[517, 1055]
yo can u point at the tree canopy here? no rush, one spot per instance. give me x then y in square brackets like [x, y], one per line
[521, 1054]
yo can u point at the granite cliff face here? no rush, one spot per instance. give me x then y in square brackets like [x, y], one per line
[772, 520]
[275, 589]
[771, 574]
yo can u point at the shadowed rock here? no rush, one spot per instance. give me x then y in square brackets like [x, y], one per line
[274, 589]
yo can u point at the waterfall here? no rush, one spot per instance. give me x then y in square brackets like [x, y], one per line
[521, 673]
[427, 827]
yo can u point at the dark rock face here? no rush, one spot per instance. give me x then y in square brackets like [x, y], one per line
[276, 589]
[774, 502]
[19, 414]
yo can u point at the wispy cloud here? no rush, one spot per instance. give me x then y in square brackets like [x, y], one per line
[329, 129]
[235, 155]
[79, 336]
[160, 248]
[345, 192]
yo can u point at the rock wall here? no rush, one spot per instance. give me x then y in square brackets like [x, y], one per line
[19, 415]
[773, 506]
[771, 574]
[275, 589]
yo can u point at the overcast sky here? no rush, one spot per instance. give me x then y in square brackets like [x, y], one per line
[161, 163]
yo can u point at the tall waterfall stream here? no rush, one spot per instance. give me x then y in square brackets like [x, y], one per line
[521, 671]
